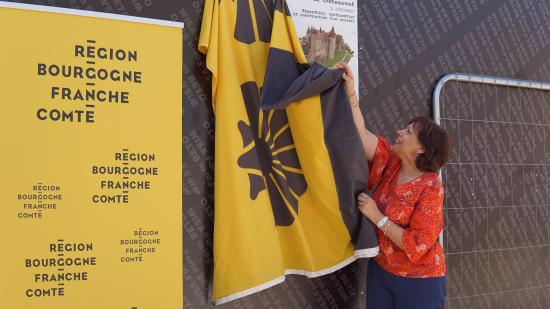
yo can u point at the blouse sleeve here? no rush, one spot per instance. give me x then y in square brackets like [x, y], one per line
[426, 222]
[382, 157]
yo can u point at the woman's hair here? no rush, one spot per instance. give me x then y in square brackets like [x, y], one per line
[435, 141]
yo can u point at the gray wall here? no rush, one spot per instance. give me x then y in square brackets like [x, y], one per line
[497, 228]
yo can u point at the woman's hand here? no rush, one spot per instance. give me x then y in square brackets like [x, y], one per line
[368, 207]
[347, 76]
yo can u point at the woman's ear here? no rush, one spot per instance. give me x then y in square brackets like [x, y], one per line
[420, 150]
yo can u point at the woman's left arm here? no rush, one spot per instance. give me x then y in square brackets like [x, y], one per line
[368, 207]
[425, 225]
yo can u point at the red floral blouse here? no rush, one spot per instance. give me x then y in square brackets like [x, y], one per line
[416, 206]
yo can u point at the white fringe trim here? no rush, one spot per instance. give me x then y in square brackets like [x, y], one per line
[364, 253]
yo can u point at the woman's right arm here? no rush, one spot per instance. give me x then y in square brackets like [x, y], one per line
[368, 139]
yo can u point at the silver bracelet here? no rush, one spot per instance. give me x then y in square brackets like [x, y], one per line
[387, 227]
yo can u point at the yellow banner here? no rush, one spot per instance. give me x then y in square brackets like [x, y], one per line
[91, 160]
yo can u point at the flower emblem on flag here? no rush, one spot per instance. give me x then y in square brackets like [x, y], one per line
[263, 13]
[269, 157]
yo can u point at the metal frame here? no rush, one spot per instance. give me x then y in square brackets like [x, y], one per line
[481, 79]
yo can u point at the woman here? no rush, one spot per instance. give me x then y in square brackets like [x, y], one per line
[407, 208]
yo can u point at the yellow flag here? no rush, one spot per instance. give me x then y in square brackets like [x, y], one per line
[286, 175]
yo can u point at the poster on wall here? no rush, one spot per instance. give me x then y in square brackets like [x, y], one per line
[91, 160]
[328, 31]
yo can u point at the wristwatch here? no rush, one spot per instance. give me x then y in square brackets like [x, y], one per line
[382, 221]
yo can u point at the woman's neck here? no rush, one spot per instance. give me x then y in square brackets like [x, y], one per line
[408, 167]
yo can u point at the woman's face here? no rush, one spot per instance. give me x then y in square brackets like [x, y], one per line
[406, 142]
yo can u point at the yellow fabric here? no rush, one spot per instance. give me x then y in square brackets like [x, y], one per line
[249, 249]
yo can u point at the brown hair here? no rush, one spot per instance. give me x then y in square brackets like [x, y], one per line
[435, 141]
